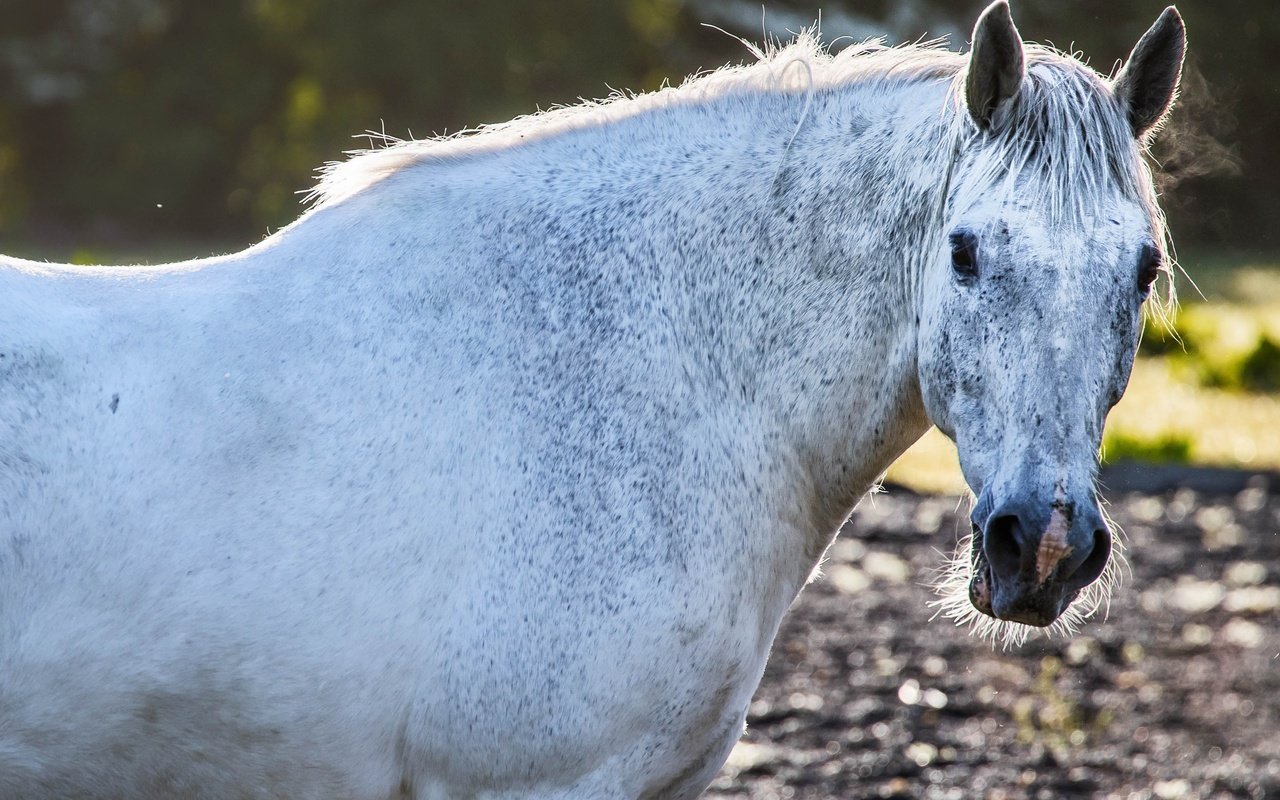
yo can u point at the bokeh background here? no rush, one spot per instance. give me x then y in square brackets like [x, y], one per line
[152, 130]
[135, 131]
[128, 121]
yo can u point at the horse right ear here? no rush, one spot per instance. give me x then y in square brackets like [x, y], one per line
[1147, 84]
[996, 65]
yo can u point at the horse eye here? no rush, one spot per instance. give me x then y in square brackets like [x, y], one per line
[964, 254]
[1149, 263]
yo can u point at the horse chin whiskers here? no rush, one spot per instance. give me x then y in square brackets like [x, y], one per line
[955, 578]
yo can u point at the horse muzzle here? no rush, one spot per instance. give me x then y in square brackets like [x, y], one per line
[1031, 559]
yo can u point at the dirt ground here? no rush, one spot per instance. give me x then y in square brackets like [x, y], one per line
[1176, 694]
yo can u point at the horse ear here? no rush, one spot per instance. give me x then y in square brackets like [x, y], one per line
[1147, 84]
[996, 66]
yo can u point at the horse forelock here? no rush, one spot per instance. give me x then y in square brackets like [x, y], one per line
[1066, 132]
[1063, 143]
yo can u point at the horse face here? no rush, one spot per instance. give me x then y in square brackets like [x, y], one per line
[1030, 321]
[1029, 344]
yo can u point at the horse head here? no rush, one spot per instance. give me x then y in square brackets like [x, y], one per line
[1032, 307]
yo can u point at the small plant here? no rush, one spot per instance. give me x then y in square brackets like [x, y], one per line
[1053, 717]
[1220, 347]
[1253, 369]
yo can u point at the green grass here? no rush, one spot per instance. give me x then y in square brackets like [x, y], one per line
[1221, 344]
[1166, 448]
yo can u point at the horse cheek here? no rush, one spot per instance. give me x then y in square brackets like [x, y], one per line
[938, 377]
[1126, 324]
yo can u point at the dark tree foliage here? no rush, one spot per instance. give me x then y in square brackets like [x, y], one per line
[124, 119]
[124, 116]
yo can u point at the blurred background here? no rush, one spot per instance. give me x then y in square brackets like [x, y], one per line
[143, 131]
[153, 130]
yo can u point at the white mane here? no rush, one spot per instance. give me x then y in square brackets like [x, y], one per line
[804, 65]
[1064, 124]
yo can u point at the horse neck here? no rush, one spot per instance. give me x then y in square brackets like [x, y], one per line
[771, 262]
[810, 321]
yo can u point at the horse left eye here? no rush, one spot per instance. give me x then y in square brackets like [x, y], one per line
[964, 254]
[1149, 263]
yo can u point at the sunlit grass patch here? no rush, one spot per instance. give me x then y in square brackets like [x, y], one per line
[931, 466]
[1225, 428]
[1220, 345]
[1167, 448]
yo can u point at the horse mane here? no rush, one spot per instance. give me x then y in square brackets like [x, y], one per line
[1063, 128]
[800, 66]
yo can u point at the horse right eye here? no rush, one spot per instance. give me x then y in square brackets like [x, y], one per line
[964, 254]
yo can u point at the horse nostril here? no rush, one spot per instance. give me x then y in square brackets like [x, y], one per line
[1037, 561]
[1000, 544]
[1093, 565]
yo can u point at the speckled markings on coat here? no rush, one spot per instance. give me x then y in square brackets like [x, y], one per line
[493, 475]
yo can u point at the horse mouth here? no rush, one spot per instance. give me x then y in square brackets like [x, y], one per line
[1039, 608]
[980, 583]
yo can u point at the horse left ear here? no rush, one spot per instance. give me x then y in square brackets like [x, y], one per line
[996, 65]
[1147, 84]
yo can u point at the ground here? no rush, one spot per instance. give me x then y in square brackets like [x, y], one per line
[1175, 694]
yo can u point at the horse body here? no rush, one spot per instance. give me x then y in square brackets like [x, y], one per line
[438, 481]
[493, 478]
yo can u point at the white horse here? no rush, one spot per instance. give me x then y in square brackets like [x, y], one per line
[493, 476]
